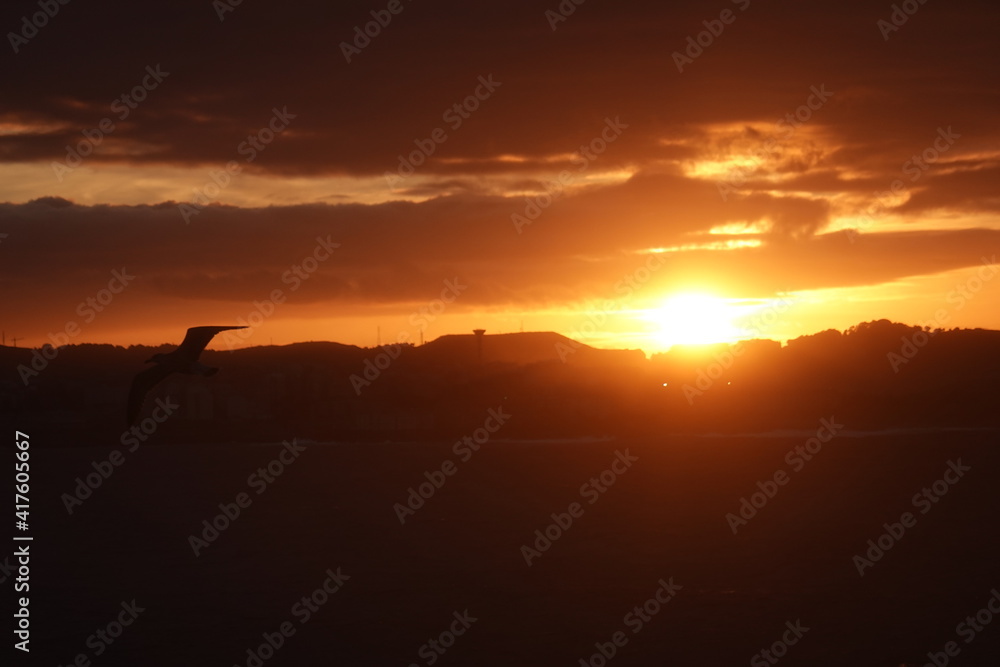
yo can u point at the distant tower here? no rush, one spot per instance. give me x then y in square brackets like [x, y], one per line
[479, 343]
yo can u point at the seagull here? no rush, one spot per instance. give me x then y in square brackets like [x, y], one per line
[182, 360]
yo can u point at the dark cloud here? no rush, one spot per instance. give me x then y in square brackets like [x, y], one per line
[606, 59]
[968, 189]
[400, 252]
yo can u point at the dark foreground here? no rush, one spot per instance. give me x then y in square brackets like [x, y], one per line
[460, 555]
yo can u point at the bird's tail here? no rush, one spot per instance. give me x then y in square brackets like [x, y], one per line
[207, 371]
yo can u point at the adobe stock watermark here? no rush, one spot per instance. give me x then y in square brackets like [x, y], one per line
[7, 569]
[293, 276]
[784, 129]
[426, 314]
[960, 295]
[898, 17]
[706, 377]
[381, 18]
[130, 439]
[624, 288]
[635, 620]
[420, 318]
[696, 44]
[88, 309]
[968, 629]
[454, 116]
[223, 7]
[105, 636]
[122, 107]
[915, 167]
[303, 610]
[779, 649]
[797, 458]
[582, 159]
[464, 449]
[591, 490]
[31, 25]
[923, 500]
[250, 148]
[258, 480]
[436, 647]
[562, 12]
[22, 622]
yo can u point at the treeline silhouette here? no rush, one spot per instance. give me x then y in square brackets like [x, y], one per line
[876, 375]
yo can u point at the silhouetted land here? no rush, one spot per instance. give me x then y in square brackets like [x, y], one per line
[877, 375]
[128, 533]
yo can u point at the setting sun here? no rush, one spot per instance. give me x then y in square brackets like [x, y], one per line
[694, 318]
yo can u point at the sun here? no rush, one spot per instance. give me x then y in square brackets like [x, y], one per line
[695, 318]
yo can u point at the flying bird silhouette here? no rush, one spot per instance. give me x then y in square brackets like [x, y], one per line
[182, 360]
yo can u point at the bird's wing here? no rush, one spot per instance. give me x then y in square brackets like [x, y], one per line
[197, 338]
[141, 384]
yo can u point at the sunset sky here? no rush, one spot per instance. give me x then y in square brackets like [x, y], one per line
[806, 166]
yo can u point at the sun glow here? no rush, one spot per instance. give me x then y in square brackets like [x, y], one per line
[695, 318]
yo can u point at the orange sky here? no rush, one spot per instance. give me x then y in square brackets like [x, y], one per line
[475, 167]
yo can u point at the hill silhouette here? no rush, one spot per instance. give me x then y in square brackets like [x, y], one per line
[876, 375]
